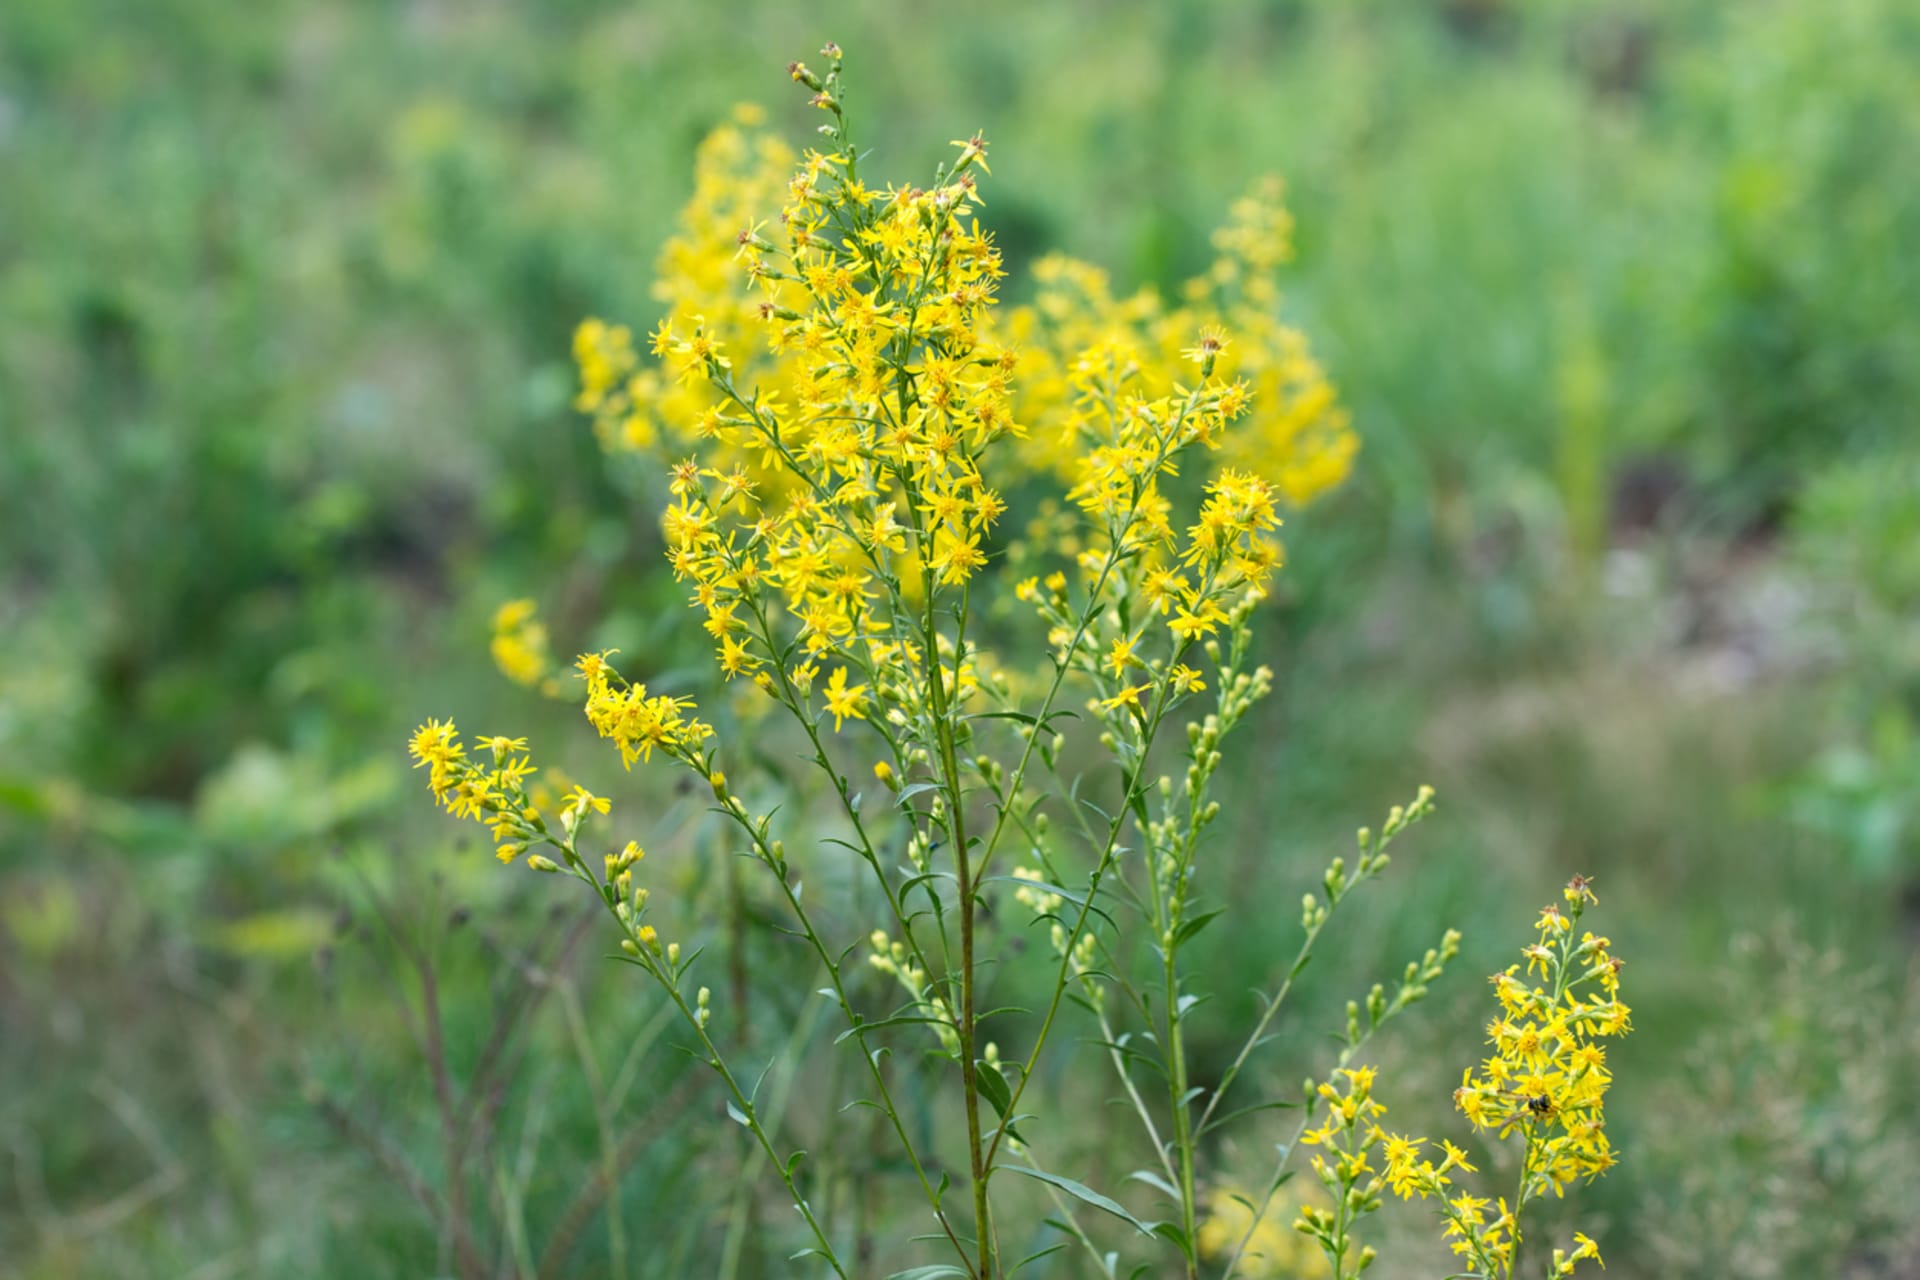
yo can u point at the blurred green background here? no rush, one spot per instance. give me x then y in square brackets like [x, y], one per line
[1622, 296]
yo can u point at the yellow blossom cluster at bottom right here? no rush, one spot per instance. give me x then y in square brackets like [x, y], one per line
[1545, 1086]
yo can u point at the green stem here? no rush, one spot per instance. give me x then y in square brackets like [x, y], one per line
[957, 825]
[777, 864]
[1101, 867]
[743, 1102]
[1182, 1118]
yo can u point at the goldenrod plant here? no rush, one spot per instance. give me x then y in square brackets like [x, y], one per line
[1000, 571]
[1544, 1090]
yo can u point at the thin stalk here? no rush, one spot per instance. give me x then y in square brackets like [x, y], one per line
[1103, 864]
[743, 1101]
[1347, 1054]
[777, 864]
[1182, 1118]
[957, 825]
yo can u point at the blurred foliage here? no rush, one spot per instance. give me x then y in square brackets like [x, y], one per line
[1776, 1158]
[285, 297]
[1857, 532]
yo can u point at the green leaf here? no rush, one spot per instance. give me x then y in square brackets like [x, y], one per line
[1171, 1231]
[1001, 1010]
[1238, 1112]
[1195, 925]
[1086, 1195]
[933, 1271]
[1035, 1257]
[1024, 718]
[738, 1116]
[993, 1087]
[1157, 1182]
[877, 1024]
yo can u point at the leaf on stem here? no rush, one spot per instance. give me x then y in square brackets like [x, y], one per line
[1087, 1195]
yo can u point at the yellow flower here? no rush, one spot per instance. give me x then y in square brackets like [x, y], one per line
[956, 558]
[1186, 679]
[1274, 1251]
[1189, 623]
[1546, 1083]
[845, 702]
[973, 151]
[593, 667]
[583, 800]
[500, 745]
[519, 644]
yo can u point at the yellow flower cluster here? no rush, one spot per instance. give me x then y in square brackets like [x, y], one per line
[740, 172]
[1545, 1083]
[842, 417]
[1351, 1108]
[1548, 1077]
[1272, 1251]
[870, 483]
[494, 794]
[825, 396]
[1087, 354]
[1343, 1163]
[520, 645]
[636, 722]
